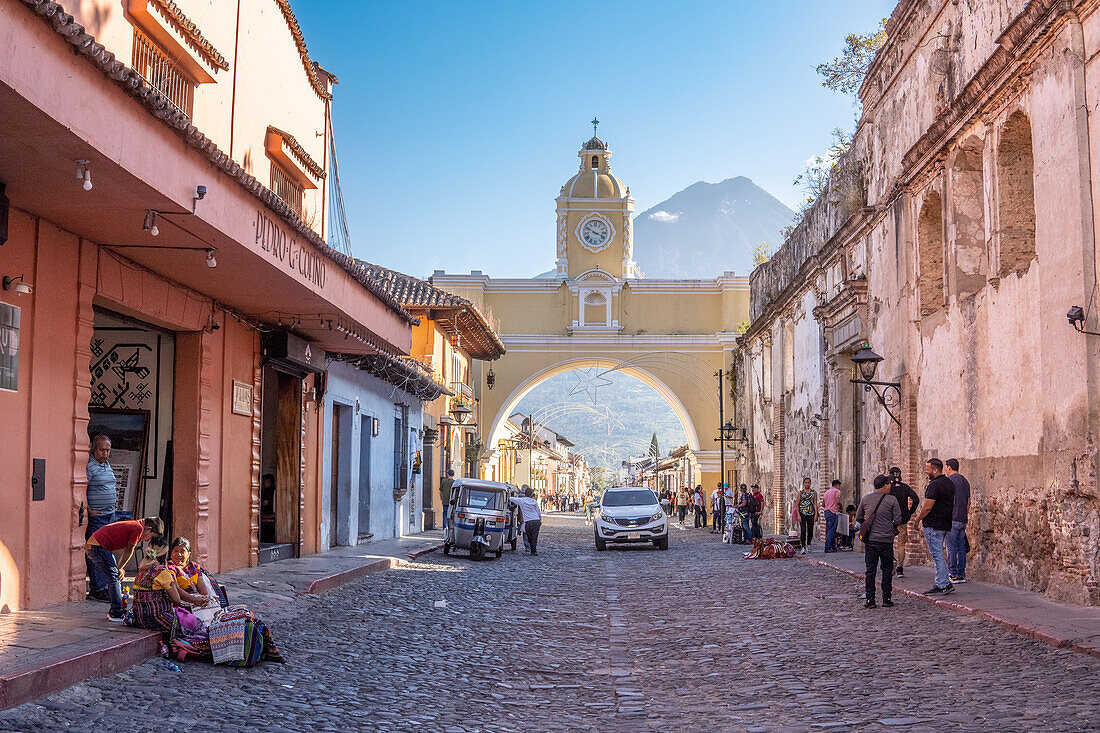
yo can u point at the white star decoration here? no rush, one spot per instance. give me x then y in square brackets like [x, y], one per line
[588, 383]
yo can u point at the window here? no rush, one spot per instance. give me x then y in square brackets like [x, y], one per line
[788, 356]
[482, 499]
[400, 446]
[930, 254]
[594, 312]
[286, 188]
[159, 72]
[595, 161]
[636, 497]
[1016, 195]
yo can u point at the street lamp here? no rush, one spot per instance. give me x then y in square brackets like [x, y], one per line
[460, 412]
[867, 362]
[730, 434]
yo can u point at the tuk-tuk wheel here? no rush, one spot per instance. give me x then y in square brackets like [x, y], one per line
[446, 548]
[513, 544]
[477, 551]
[499, 553]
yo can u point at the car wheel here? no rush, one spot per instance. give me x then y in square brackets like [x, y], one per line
[662, 544]
[601, 545]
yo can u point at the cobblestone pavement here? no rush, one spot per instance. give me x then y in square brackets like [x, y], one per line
[692, 639]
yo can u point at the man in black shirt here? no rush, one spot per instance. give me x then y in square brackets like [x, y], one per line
[908, 501]
[935, 513]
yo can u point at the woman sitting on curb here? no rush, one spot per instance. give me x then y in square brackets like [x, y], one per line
[195, 584]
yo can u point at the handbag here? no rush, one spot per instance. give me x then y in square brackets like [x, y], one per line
[865, 528]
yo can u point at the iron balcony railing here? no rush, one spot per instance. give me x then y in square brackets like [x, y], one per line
[161, 73]
[286, 188]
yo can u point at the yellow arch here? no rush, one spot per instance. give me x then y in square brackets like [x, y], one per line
[513, 399]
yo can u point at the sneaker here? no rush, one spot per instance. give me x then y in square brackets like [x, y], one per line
[949, 589]
[900, 572]
[935, 591]
[100, 595]
[113, 618]
[887, 603]
[871, 603]
[957, 580]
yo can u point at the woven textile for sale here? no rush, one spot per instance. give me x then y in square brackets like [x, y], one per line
[227, 635]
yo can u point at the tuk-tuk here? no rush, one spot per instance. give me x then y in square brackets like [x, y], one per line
[481, 519]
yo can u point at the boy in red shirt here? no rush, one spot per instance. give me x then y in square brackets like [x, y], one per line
[120, 537]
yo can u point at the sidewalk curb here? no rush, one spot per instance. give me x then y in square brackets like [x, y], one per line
[31, 683]
[1027, 631]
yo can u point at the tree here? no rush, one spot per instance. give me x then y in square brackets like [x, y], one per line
[815, 179]
[846, 72]
[654, 450]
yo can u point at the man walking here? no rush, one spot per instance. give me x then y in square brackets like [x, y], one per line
[102, 497]
[700, 508]
[718, 511]
[956, 538]
[682, 499]
[880, 514]
[935, 513]
[531, 518]
[831, 502]
[807, 514]
[908, 501]
[445, 494]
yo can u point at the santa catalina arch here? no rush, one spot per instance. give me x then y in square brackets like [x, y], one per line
[597, 312]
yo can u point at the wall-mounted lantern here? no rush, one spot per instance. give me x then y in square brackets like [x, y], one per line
[889, 395]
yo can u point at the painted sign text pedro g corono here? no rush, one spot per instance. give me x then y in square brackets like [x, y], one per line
[289, 250]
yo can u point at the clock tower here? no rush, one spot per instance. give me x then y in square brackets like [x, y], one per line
[594, 231]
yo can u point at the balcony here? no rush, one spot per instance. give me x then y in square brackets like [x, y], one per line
[461, 389]
[161, 73]
[286, 188]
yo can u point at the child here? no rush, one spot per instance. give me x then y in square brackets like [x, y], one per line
[848, 543]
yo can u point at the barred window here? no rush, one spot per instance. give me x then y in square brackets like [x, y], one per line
[286, 188]
[159, 72]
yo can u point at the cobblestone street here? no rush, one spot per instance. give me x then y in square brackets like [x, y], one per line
[574, 640]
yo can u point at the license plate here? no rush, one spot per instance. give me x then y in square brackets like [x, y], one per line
[633, 535]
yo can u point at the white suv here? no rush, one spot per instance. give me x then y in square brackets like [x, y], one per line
[631, 514]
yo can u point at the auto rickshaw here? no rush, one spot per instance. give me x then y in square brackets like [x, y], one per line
[481, 518]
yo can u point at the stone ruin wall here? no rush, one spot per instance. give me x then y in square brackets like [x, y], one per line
[991, 372]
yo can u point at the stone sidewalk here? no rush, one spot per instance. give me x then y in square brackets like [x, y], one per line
[53, 648]
[1061, 625]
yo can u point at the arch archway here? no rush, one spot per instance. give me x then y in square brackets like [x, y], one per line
[496, 430]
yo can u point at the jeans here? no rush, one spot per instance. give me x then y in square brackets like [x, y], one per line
[875, 554]
[956, 550]
[97, 581]
[104, 562]
[531, 535]
[934, 539]
[746, 527]
[757, 532]
[806, 528]
[682, 510]
[831, 520]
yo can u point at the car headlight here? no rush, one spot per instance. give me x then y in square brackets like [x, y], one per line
[604, 517]
[658, 515]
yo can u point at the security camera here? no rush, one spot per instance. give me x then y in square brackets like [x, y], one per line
[1076, 316]
[200, 193]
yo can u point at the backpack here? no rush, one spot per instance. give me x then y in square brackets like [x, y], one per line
[752, 506]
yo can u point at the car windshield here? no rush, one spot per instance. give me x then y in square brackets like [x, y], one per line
[635, 497]
[482, 499]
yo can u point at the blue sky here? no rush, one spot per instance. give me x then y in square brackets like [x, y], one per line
[457, 122]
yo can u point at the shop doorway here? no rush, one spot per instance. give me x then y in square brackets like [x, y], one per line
[132, 389]
[281, 457]
[366, 430]
[340, 478]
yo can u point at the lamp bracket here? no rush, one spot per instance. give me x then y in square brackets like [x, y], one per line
[889, 396]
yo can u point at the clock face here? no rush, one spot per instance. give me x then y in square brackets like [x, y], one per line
[595, 233]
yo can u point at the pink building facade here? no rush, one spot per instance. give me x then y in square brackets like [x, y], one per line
[167, 279]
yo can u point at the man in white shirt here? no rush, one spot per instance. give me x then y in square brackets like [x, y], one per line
[531, 518]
